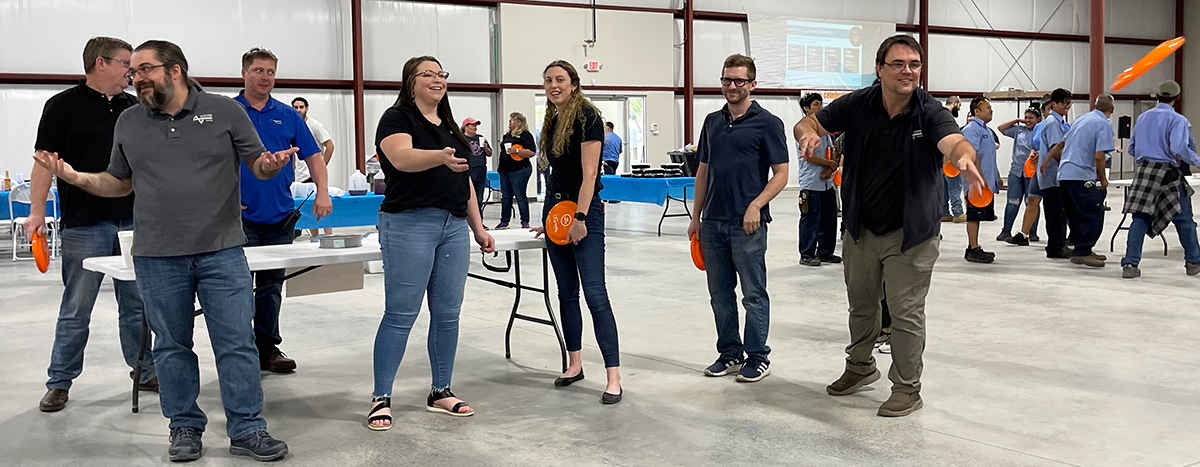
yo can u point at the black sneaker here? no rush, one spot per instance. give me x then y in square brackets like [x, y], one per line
[259, 445]
[1019, 239]
[1034, 238]
[1064, 253]
[1004, 236]
[977, 255]
[810, 261]
[723, 367]
[830, 259]
[185, 444]
[754, 371]
[1129, 271]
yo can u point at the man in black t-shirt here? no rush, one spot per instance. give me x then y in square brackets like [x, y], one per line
[77, 125]
[896, 137]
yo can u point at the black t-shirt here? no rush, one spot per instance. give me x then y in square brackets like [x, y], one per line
[881, 187]
[478, 155]
[78, 124]
[566, 170]
[507, 163]
[438, 187]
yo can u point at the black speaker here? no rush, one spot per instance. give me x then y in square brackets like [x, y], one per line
[1123, 126]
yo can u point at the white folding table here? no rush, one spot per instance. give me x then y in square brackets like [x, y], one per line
[309, 256]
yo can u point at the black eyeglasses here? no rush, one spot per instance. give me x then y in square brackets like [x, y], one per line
[143, 71]
[431, 73]
[737, 82]
[897, 65]
[123, 62]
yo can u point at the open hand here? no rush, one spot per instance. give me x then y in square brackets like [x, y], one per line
[275, 161]
[454, 162]
[57, 167]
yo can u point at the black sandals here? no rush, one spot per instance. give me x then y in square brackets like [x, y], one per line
[435, 395]
[384, 403]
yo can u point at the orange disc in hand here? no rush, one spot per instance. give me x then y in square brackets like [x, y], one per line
[1030, 167]
[517, 157]
[41, 252]
[1147, 62]
[697, 256]
[558, 223]
[982, 199]
[950, 170]
[837, 177]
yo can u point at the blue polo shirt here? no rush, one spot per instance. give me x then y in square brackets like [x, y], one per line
[739, 153]
[981, 138]
[1054, 129]
[1091, 133]
[1162, 135]
[279, 127]
[1022, 145]
[612, 147]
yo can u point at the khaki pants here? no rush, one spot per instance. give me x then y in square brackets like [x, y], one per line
[870, 264]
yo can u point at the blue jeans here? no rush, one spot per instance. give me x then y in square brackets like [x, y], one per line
[818, 226]
[953, 191]
[1019, 190]
[221, 279]
[268, 300]
[729, 255]
[583, 265]
[79, 296]
[1185, 225]
[424, 250]
[478, 180]
[514, 185]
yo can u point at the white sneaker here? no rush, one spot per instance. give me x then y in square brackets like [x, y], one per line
[885, 347]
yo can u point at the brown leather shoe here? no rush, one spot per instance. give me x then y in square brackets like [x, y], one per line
[53, 401]
[901, 404]
[851, 382]
[277, 362]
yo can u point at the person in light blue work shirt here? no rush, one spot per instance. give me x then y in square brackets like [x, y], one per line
[1052, 132]
[818, 199]
[980, 137]
[1161, 142]
[611, 152]
[1082, 180]
[1027, 232]
[267, 203]
[1020, 187]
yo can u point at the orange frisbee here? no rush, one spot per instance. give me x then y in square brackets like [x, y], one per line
[697, 257]
[837, 177]
[558, 223]
[950, 170]
[1147, 62]
[41, 252]
[981, 200]
[517, 157]
[1030, 167]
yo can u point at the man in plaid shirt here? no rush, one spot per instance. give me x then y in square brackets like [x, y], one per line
[1161, 142]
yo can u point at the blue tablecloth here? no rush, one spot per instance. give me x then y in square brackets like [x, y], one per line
[646, 190]
[22, 209]
[348, 211]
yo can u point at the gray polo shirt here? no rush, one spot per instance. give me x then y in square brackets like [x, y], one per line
[185, 172]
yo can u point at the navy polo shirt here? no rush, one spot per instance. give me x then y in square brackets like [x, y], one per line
[279, 127]
[739, 153]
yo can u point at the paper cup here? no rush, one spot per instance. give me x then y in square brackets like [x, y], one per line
[125, 237]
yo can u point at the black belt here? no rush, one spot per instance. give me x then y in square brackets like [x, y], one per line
[565, 196]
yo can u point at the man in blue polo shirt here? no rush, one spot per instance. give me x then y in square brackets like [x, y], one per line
[613, 147]
[266, 203]
[1054, 129]
[980, 136]
[743, 165]
[1082, 180]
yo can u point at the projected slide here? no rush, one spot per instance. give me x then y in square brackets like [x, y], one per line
[824, 54]
[815, 54]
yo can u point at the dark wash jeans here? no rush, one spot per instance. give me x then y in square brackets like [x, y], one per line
[818, 226]
[514, 185]
[730, 255]
[268, 300]
[583, 265]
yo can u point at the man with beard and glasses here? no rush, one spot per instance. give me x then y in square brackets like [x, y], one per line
[77, 127]
[181, 151]
[953, 185]
[897, 137]
[267, 203]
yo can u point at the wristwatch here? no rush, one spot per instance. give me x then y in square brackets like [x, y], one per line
[579, 216]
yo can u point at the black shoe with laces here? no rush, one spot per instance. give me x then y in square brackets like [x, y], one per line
[259, 445]
[185, 444]
[833, 259]
[1034, 238]
[1019, 239]
[754, 371]
[1004, 236]
[724, 366]
[977, 255]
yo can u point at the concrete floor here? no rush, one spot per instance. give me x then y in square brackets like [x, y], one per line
[1030, 361]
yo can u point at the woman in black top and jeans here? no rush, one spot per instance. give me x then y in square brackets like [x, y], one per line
[423, 227]
[572, 135]
[514, 174]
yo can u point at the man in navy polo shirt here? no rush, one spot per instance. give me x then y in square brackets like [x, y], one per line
[266, 203]
[738, 144]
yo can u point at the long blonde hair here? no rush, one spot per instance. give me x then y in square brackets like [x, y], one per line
[573, 110]
[521, 124]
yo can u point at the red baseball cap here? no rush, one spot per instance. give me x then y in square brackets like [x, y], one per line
[470, 121]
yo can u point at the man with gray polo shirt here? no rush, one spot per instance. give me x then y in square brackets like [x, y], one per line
[180, 150]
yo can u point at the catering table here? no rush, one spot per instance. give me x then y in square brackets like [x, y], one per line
[309, 256]
[348, 211]
[660, 191]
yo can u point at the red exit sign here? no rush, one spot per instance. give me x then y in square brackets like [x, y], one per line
[592, 66]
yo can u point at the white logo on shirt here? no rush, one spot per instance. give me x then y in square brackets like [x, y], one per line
[203, 118]
[277, 122]
[918, 134]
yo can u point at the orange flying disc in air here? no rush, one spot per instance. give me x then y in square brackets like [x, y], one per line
[1030, 167]
[558, 223]
[950, 170]
[1147, 62]
[517, 157]
[697, 257]
[41, 252]
[837, 177]
[981, 200]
